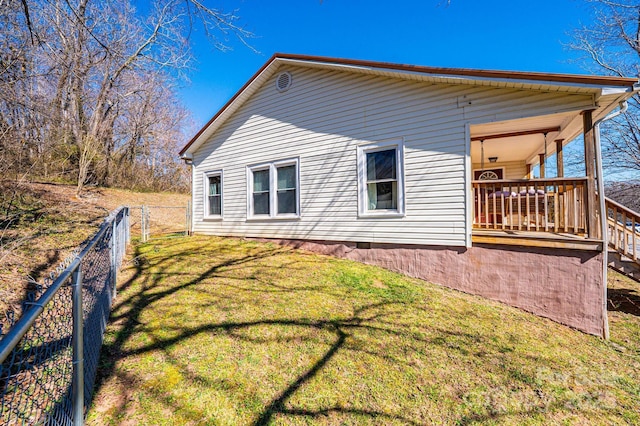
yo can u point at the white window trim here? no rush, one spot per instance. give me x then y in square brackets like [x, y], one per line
[363, 212]
[273, 192]
[205, 184]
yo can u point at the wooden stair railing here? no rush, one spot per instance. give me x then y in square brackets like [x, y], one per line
[623, 226]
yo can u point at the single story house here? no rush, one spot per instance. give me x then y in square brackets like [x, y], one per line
[427, 171]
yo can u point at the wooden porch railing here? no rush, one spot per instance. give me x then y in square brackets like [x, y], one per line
[542, 205]
[623, 227]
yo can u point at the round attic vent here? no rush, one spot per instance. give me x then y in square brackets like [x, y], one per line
[283, 82]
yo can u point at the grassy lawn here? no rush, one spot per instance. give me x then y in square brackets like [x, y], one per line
[232, 332]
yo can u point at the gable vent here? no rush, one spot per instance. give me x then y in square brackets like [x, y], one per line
[283, 82]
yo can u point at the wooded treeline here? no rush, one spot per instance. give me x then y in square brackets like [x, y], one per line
[611, 46]
[88, 89]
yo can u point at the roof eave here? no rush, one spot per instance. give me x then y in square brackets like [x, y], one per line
[600, 85]
[462, 72]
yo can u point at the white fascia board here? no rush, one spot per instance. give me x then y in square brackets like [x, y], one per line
[458, 79]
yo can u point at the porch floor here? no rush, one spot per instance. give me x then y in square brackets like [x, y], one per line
[534, 239]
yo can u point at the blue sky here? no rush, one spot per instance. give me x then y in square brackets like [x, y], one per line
[488, 34]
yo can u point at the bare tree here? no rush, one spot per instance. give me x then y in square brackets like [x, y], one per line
[77, 76]
[625, 193]
[612, 45]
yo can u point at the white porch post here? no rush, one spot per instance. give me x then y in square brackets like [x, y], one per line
[590, 161]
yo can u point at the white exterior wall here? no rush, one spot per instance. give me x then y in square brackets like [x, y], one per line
[321, 120]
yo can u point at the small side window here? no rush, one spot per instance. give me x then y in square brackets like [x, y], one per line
[213, 195]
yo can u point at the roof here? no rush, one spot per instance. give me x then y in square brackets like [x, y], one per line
[516, 79]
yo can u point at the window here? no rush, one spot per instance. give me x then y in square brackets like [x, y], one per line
[488, 174]
[261, 192]
[380, 168]
[213, 194]
[273, 190]
[287, 183]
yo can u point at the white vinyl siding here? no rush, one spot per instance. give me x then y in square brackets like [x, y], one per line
[324, 117]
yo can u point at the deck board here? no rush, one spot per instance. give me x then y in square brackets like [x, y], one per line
[535, 239]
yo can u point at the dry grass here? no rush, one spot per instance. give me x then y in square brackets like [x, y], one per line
[231, 332]
[40, 224]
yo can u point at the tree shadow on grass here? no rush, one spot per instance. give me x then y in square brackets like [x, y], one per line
[337, 336]
[137, 302]
[128, 311]
[624, 300]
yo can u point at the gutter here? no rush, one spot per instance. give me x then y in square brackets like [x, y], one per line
[188, 158]
[603, 212]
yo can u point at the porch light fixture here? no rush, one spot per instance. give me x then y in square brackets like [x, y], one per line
[493, 159]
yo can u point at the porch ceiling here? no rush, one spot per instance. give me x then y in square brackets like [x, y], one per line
[522, 147]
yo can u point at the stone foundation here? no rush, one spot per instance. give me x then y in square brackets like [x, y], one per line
[563, 285]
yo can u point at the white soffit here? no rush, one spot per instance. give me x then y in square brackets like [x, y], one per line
[517, 148]
[528, 147]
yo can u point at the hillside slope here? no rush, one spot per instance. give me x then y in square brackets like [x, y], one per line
[41, 223]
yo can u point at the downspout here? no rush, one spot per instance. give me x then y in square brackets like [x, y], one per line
[603, 212]
[188, 160]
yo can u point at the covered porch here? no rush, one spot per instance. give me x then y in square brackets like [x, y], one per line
[520, 192]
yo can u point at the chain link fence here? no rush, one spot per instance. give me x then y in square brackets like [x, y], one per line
[49, 357]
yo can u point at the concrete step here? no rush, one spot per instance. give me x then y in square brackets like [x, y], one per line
[623, 264]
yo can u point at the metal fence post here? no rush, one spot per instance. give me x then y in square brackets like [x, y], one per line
[147, 222]
[127, 226]
[112, 246]
[121, 238]
[41, 329]
[188, 219]
[78, 349]
[143, 226]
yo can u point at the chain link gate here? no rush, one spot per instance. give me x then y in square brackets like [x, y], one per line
[160, 221]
